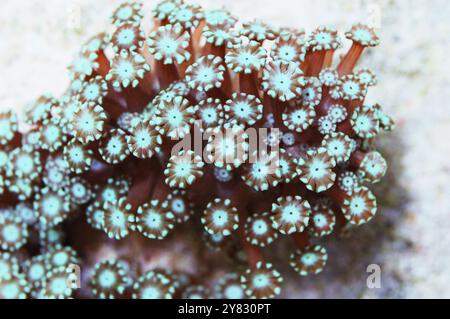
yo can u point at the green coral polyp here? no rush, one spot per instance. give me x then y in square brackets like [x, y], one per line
[220, 218]
[324, 38]
[110, 279]
[246, 58]
[310, 260]
[170, 44]
[282, 80]
[290, 214]
[154, 220]
[127, 70]
[153, 285]
[206, 73]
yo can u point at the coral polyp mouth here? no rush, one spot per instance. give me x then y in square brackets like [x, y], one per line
[198, 138]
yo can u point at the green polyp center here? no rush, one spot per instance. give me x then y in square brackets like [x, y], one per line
[41, 109]
[109, 194]
[287, 52]
[374, 168]
[358, 206]
[53, 236]
[282, 82]
[118, 219]
[184, 15]
[260, 227]
[209, 115]
[178, 206]
[363, 35]
[309, 94]
[11, 233]
[220, 218]
[261, 281]
[318, 169]
[320, 220]
[260, 170]
[51, 205]
[143, 139]
[242, 109]
[348, 181]
[79, 190]
[91, 92]
[115, 145]
[76, 155]
[223, 175]
[27, 214]
[36, 272]
[351, 88]
[247, 59]
[153, 220]
[206, 74]
[337, 113]
[107, 278]
[125, 13]
[299, 117]
[183, 169]
[125, 69]
[126, 37]
[168, 46]
[329, 77]
[290, 214]
[234, 292]
[10, 290]
[151, 292]
[175, 117]
[336, 148]
[364, 123]
[365, 77]
[326, 125]
[52, 133]
[86, 122]
[61, 258]
[323, 38]
[228, 146]
[25, 163]
[58, 286]
[309, 259]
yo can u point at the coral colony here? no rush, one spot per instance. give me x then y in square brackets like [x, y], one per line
[241, 133]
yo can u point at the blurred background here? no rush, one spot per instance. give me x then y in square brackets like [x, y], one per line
[410, 237]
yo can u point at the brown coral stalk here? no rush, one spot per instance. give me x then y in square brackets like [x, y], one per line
[248, 83]
[350, 60]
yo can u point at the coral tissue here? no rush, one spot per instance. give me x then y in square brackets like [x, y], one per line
[96, 180]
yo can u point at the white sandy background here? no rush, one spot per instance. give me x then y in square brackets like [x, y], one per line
[38, 39]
